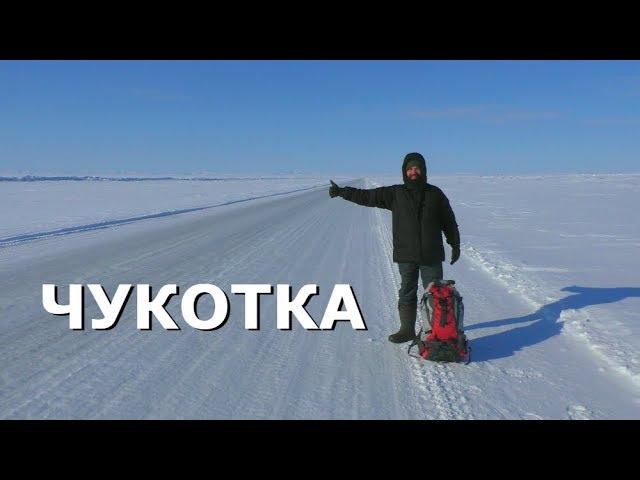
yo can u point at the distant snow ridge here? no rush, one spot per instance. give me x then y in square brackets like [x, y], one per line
[36, 178]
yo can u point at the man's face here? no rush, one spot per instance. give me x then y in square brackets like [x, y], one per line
[413, 172]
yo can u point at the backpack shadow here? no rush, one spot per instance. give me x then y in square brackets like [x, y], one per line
[545, 322]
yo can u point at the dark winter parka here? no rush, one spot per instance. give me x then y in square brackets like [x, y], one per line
[420, 213]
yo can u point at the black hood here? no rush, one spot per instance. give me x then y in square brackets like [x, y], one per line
[422, 180]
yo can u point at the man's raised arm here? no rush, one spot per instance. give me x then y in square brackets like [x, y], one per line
[381, 197]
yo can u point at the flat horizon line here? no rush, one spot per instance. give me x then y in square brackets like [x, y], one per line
[267, 176]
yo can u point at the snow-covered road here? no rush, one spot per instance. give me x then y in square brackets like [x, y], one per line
[524, 364]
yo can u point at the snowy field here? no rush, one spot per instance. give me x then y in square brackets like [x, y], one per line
[36, 207]
[548, 273]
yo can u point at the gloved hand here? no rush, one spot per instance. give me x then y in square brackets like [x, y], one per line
[334, 190]
[455, 254]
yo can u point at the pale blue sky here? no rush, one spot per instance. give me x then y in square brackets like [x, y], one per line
[345, 117]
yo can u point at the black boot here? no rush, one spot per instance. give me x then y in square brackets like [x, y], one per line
[407, 330]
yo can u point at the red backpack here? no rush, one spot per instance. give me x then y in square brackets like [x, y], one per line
[441, 338]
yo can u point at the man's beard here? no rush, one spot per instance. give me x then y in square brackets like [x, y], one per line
[417, 183]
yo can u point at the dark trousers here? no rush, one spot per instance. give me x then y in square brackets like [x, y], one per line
[408, 293]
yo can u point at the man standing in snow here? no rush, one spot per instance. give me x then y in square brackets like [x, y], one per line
[420, 213]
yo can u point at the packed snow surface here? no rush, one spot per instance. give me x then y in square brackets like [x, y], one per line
[548, 272]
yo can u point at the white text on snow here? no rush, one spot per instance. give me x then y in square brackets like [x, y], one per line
[146, 306]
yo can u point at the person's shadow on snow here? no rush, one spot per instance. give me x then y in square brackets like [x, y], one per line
[545, 322]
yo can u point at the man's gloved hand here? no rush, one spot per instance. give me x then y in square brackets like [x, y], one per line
[455, 254]
[334, 190]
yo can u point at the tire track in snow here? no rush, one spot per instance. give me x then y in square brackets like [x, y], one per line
[85, 355]
[29, 237]
[95, 345]
[389, 305]
[282, 360]
[248, 255]
[260, 384]
[326, 385]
